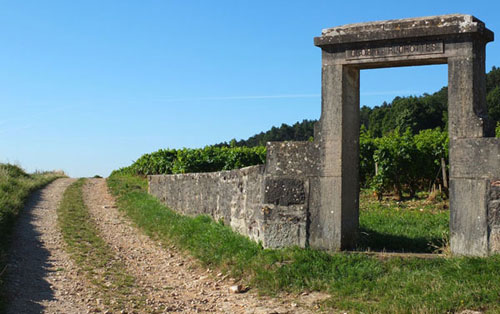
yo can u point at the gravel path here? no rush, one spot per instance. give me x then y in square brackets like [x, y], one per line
[170, 280]
[41, 277]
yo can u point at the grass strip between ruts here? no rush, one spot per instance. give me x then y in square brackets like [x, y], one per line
[92, 254]
[356, 282]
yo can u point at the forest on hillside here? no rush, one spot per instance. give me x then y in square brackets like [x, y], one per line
[416, 113]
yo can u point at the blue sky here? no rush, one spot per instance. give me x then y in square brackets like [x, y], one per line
[89, 86]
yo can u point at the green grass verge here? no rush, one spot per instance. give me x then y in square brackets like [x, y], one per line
[92, 254]
[356, 282]
[418, 225]
[15, 188]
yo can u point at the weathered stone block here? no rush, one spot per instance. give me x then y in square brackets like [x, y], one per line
[469, 217]
[326, 213]
[442, 25]
[475, 158]
[284, 191]
[292, 159]
[285, 225]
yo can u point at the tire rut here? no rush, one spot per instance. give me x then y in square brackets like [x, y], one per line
[40, 276]
[171, 280]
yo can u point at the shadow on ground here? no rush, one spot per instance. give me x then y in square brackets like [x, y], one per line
[376, 241]
[28, 264]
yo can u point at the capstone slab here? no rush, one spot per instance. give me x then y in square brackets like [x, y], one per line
[430, 26]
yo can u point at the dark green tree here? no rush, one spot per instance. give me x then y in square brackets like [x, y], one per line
[493, 100]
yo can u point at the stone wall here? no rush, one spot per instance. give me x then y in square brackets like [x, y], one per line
[267, 203]
[494, 217]
[233, 196]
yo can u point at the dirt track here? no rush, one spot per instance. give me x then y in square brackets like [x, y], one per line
[43, 278]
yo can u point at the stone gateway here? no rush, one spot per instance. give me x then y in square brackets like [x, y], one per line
[307, 194]
[456, 40]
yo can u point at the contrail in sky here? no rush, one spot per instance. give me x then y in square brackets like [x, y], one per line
[284, 96]
[390, 92]
[244, 97]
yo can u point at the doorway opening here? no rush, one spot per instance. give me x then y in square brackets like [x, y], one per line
[403, 199]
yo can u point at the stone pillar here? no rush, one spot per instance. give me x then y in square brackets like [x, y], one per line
[467, 108]
[334, 218]
[467, 119]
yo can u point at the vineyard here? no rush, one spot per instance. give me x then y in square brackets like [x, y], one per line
[208, 159]
[398, 162]
[401, 162]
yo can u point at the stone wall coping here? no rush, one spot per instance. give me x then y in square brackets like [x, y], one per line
[289, 143]
[400, 29]
[243, 171]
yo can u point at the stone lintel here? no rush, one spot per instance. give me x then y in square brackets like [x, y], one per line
[441, 26]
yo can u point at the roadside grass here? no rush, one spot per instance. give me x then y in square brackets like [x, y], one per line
[91, 253]
[15, 187]
[357, 282]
